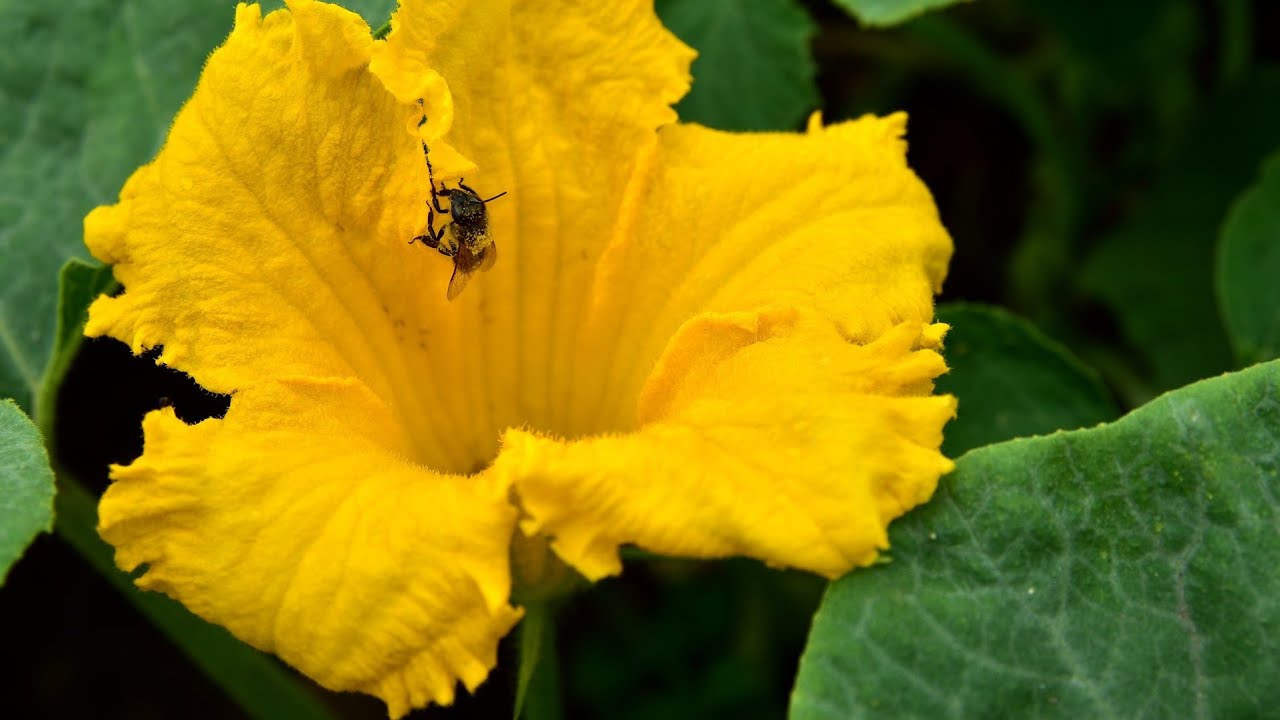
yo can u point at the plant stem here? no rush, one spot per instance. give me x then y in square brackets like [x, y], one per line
[538, 681]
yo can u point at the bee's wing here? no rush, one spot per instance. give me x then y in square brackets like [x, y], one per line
[458, 281]
[466, 264]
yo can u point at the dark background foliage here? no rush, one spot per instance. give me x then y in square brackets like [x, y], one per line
[1083, 154]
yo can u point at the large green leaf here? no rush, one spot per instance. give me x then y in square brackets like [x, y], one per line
[1249, 269]
[26, 485]
[890, 12]
[1012, 381]
[1130, 570]
[754, 70]
[1156, 272]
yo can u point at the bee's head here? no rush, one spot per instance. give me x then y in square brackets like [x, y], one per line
[465, 204]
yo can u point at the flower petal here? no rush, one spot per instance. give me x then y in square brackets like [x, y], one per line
[833, 220]
[268, 238]
[762, 434]
[296, 524]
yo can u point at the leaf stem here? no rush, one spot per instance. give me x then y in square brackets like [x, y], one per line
[538, 680]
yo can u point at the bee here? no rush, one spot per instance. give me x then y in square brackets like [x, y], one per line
[469, 243]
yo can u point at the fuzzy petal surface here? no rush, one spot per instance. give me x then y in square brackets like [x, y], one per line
[762, 434]
[832, 220]
[298, 522]
[719, 233]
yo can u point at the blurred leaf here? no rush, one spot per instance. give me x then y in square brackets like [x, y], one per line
[1235, 38]
[1249, 269]
[754, 70]
[1123, 571]
[890, 12]
[1054, 169]
[26, 485]
[1155, 272]
[1012, 381]
[1119, 42]
[79, 283]
[1116, 67]
[259, 684]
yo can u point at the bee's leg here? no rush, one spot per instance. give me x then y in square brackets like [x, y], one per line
[433, 237]
[437, 241]
[445, 248]
[431, 179]
[431, 172]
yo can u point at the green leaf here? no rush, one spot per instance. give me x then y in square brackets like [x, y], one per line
[1249, 269]
[80, 282]
[258, 683]
[1156, 271]
[754, 70]
[1012, 381]
[26, 486]
[1128, 570]
[882, 13]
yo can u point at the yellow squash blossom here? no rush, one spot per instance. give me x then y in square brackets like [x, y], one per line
[700, 343]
